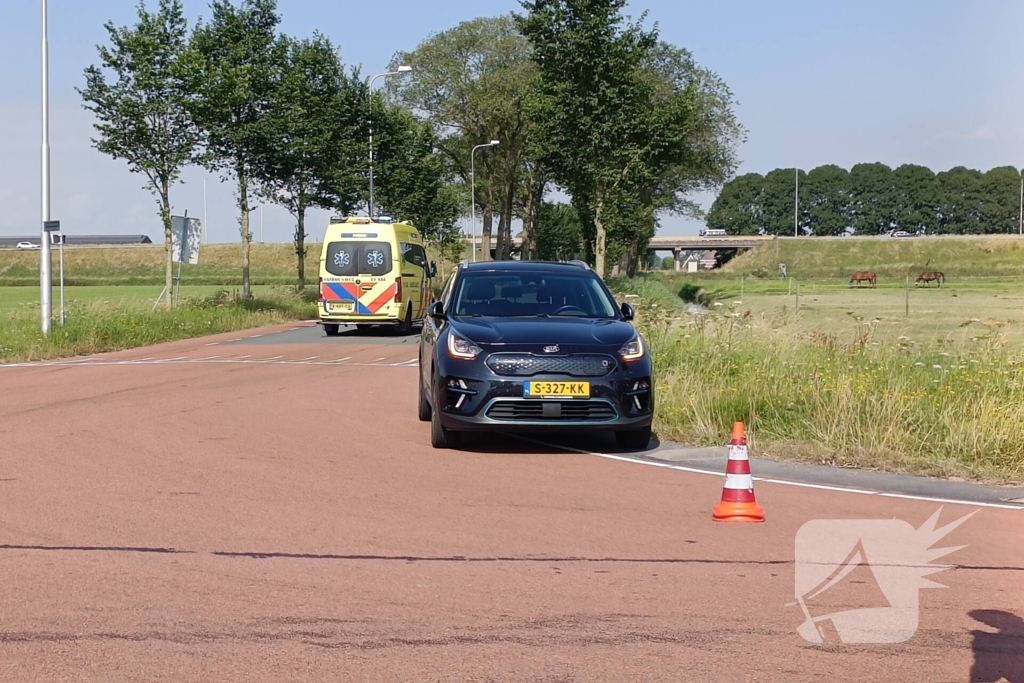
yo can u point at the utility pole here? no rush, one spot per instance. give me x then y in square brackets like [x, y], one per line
[1022, 202]
[45, 264]
[796, 203]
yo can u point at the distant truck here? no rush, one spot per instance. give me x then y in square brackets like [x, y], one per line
[713, 232]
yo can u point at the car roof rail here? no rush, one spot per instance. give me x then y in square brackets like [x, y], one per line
[464, 263]
[582, 264]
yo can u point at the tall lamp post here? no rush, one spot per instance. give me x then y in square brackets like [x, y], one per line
[369, 112]
[796, 204]
[45, 264]
[472, 187]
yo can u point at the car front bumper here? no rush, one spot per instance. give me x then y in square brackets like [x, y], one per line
[472, 398]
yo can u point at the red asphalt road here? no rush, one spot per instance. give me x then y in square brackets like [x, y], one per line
[251, 521]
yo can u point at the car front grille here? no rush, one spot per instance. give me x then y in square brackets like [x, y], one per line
[551, 411]
[527, 364]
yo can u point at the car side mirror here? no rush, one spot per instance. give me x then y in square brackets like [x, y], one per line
[436, 311]
[433, 269]
[627, 311]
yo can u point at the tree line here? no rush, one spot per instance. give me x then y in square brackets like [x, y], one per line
[579, 99]
[870, 198]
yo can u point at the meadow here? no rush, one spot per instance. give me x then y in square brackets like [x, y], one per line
[848, 379]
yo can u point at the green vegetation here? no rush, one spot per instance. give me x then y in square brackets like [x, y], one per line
[892, 258]
[939, 394]
[99, 326]
[871, 199]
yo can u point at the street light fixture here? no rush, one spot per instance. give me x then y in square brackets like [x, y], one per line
[404, 69]
[472, 186]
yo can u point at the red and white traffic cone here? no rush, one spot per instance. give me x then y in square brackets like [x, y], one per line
[738, 502]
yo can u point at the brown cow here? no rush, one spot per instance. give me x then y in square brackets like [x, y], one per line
[863, 276]
[933, 276]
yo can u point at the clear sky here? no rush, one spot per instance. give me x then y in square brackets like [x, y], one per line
[932, 82]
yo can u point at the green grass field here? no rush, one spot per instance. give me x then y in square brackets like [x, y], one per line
[891, 258]
[14, 298]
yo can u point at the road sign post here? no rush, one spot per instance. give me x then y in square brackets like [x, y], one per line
[56, 237]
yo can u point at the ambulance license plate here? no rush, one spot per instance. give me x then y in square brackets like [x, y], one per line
[342, 307]
[556, 389]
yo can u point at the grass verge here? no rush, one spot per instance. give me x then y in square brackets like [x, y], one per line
[951, 410]
[98, 328]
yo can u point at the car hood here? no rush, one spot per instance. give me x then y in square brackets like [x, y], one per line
[544, 331]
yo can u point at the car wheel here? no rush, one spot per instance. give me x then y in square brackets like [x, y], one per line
[636, 439]
[440, 437]
[424, 409]
[331, 329]
[405, 325]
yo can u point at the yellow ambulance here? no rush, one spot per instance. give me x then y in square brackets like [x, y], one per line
[373, 272]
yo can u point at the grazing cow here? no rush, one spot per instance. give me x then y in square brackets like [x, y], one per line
[863, 276]
[933, 276]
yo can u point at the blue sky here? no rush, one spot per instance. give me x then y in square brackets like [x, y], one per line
[932, 82]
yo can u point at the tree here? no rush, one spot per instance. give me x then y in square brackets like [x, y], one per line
[871, 198]
[1000, 209]
[779, 203]
[313, 147]
[471, 83]
[560, 233]
[141, 114]
[960, 203]
[915, 198]
[414, 183]
[236, 62]
[826, 195]
[738, 208]
[592, 112]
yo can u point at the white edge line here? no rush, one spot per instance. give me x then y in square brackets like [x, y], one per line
[774, 481]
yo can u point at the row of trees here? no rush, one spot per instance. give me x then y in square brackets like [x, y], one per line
[580, 100]
[870, 199]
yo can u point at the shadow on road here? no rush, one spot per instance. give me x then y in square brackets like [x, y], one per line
[525, 443]
[999, 655]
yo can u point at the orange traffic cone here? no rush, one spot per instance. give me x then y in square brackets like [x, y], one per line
[738, 503]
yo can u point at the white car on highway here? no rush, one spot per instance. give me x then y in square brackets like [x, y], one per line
[27, 245]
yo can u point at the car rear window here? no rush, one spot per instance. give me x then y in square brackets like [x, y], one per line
[358, 258]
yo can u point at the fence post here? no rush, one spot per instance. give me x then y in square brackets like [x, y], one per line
[798, 296]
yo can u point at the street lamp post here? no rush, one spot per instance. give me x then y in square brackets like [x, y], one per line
[1021, 228]
[472, 187]
[45, 264]
[369, 112]
[796, 204]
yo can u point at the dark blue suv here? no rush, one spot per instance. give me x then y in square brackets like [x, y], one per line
[532, 346]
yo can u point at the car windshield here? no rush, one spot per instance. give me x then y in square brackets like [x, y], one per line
[529, 294]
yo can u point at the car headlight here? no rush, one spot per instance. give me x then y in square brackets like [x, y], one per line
[462, 348]
[633, 349]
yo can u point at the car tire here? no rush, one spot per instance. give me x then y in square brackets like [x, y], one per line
[406, 325]
[331, 329]
[424, 406]
[440, 436]
[635, 439]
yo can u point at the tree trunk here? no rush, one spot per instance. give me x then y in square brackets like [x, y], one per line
[300, 245]
[632, 257]
[165, 216]
[600, 240]
[500, 243]
[243, 205]
[531, 222]
[485, 233]
[508, 200]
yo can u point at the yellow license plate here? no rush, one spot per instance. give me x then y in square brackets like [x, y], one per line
[342, 307]
[556, 389]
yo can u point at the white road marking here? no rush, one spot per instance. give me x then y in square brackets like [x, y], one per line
[338, 360]
[841, 489]
[267, 360]
[213, 343]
